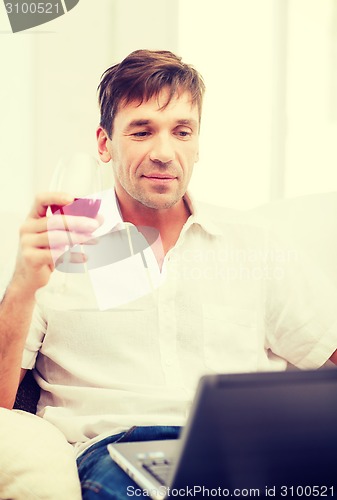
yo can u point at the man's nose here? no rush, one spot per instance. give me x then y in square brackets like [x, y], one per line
[162, 150]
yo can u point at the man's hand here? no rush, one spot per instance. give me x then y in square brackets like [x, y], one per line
[43, 239]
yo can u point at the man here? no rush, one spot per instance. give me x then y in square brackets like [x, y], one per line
[129, 372]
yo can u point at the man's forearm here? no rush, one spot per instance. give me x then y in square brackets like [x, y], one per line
[15, 316]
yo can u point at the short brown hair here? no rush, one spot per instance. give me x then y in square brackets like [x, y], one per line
[141, 76]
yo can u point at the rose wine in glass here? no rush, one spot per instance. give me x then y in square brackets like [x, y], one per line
[78, 175]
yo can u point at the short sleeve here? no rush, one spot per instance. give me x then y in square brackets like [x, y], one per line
[301, 310]
[34, 339]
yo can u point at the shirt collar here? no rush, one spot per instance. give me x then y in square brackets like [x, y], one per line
[113, 218]
[199, 215]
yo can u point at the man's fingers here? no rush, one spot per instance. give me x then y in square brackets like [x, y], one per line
[72, 223]
[45, 200]
[77, 258]
[45, 239]
[61, 222]
[55, 239]
[60, 256]
[37, 257]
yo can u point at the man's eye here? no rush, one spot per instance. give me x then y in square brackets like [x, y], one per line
[184, 133]
[141, 134]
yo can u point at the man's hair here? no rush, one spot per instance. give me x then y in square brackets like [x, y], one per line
[141, 76]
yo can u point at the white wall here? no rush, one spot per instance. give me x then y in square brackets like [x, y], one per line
[312, 97]
[17, 141]
[231, 43]
[17, 134]
[270, 121]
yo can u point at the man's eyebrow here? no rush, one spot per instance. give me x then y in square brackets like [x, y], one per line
[137, 123]
[187, 121]
[142, 122]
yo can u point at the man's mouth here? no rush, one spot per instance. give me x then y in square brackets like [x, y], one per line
[160, 177]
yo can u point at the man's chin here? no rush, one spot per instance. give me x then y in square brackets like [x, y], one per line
[159, 202]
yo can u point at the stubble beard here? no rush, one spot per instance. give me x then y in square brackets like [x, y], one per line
[157, 201]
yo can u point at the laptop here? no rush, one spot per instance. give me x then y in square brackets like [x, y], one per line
[257, 434]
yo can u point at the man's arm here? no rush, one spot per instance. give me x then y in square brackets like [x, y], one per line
[40, 244]
[15, 316]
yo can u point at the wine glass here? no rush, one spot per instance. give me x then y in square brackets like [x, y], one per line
[79, 175]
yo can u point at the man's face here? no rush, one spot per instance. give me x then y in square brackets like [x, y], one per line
[153, 151]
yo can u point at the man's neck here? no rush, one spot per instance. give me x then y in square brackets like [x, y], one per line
[168, 222]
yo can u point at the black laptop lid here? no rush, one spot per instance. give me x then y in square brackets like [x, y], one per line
[262, 430]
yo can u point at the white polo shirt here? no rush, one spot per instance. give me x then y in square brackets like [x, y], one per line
[226, 300]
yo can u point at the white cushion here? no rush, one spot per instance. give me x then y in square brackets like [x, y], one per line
[36, 461]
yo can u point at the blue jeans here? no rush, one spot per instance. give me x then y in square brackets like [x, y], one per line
[101, 478]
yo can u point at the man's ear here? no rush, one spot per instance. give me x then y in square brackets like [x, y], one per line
[102, 139]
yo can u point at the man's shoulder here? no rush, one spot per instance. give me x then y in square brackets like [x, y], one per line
[226, 219]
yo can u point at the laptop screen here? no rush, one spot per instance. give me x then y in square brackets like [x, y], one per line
[262, 430]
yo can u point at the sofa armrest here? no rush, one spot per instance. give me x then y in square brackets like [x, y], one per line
[28, 394]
